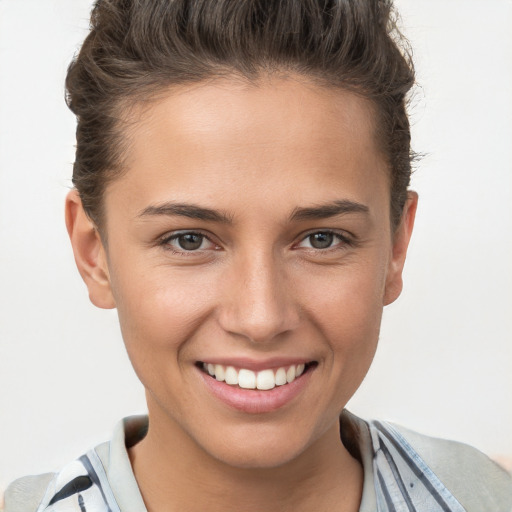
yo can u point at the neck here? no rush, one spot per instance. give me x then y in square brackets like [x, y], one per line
[174, 473]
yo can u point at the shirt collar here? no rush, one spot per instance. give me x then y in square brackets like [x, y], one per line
[354, 433]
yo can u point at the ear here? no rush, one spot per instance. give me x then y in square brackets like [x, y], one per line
[90, 254]
[401, 239]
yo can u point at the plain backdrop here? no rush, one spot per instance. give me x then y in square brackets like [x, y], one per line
[444, 365]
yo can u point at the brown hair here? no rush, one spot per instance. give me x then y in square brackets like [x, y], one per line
[138, 47]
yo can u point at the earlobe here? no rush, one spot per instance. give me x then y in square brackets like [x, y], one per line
[89, 252]
[401, 240]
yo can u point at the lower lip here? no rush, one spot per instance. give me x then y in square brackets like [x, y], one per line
[255, 401]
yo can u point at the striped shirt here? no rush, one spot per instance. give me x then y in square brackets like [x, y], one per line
[403, 472]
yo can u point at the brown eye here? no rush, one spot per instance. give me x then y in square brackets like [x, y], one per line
[321, 240]
[324, 240]
[190, 241]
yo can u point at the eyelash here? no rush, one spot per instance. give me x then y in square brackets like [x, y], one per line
[344, 241]
[165, 242]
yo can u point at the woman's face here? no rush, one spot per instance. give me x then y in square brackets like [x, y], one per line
[250, 231]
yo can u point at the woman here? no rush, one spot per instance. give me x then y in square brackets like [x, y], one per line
[242, 199]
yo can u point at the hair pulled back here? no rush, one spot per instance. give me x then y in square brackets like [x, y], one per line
[137, 48]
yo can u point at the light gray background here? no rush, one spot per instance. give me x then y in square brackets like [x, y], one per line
[444, 365]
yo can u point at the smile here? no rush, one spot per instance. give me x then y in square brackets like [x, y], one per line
[262, 380]
[256, 388]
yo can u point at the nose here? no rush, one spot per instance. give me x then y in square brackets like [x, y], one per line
[259, 304]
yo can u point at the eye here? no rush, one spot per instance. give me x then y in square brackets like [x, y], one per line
[323, 240]
[188, 241]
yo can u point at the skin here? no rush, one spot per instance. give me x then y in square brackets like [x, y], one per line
[256, 288]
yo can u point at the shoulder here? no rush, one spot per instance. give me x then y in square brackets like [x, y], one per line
[28, 493]
[92, 479]
[25, 494]
[476, 481]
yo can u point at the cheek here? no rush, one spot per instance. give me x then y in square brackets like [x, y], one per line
[159, 311]
[347, 308]
[347, 299]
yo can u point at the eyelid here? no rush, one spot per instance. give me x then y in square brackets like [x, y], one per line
[170, 236]
[344, 238]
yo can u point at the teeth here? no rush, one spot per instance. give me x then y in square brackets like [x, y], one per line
[247, 379]
[265, 380]
[231, 376]
[280, 377]
[290, 374]
[219, 372]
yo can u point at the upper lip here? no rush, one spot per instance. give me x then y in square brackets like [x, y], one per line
[257, 365]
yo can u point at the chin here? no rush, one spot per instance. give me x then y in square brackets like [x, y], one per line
[257, 456]
[259, 446]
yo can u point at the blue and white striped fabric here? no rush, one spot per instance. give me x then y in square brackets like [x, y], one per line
[403, 481]
[81, 486]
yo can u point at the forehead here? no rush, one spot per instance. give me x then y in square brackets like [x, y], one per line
[271, 111]
[229, 136]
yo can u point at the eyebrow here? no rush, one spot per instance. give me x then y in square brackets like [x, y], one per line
[190, 211]
[325, 211]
